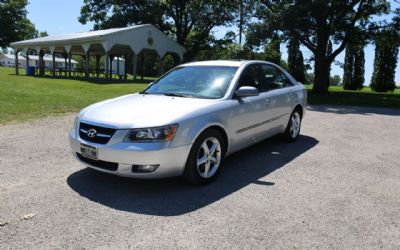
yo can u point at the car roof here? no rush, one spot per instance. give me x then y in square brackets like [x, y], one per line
[231, 63]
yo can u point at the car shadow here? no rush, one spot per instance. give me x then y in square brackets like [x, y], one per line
[172, 197]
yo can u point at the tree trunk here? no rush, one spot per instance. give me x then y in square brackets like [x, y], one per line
[321, 73]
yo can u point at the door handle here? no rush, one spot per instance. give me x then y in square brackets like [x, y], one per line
[267, 101]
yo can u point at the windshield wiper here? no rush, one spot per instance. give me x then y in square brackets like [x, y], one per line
[174, 94]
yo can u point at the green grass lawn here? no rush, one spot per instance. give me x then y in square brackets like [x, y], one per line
[365, 97]
[25, 97]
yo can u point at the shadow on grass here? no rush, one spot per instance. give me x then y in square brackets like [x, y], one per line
[172, 197]
[384, 100]
[341, 109]
[96, 80]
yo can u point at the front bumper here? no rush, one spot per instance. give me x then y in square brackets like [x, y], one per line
[171, 161]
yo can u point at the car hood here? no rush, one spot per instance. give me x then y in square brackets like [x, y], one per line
[139, 110]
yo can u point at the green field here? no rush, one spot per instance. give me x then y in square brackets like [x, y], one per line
[25, 97]
[365, 97]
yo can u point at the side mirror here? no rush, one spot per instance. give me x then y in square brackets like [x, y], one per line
[247, 91]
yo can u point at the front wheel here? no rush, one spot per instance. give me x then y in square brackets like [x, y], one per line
[293, 128]
[205, 158]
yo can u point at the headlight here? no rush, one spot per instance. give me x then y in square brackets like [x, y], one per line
[165, 133]
[76, 122]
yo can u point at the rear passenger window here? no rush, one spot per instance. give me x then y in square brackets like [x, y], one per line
[273, 78]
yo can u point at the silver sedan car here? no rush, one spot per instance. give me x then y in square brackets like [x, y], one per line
[186, 122]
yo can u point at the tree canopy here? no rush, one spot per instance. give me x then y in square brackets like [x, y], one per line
[14, 25]
[385, 62]
[354, 69]
[316, 24]
[189, 21]
[296, 61]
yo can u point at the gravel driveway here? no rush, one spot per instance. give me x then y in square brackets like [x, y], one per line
[337, 187]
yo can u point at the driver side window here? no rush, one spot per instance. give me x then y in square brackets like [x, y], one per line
[251, 76]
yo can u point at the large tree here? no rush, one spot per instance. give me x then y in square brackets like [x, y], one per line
[318, 23]
[386, 51]
[387, 41]
[296, 60]
[272, 50]
[354, 69]
[189, 21]
[14, 25]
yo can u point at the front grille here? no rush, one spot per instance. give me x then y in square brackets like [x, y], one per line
[110, 166]
[102, 135]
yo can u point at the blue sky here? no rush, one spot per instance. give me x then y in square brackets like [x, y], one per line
[61, 16]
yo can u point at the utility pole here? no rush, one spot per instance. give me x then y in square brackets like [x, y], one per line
[240, 22]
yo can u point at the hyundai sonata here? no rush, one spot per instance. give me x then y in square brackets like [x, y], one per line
[186, 122]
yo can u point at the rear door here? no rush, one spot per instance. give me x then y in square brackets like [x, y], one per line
[277, 91]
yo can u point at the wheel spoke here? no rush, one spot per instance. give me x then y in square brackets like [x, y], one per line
[202, 160]
[206, 169]
[215, 160]
[205, 148]
[213, 148]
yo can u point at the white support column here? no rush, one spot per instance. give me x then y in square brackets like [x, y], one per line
[69, 55]
[134, 66]
[87, 64]
[53, 67]
[39, 62]
[142, 59]
[41, 66]
[97, 65]
[54, 64]
[85, 48]
[111, 66]
[106, 63]
[125, 66]
[69, 64]
[27, 60]
[160, 66]
[180, 59]
[65, 64]
[16, 62]
[118, 66]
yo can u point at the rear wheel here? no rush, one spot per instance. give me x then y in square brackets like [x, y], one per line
[205, 158]
[293, 128]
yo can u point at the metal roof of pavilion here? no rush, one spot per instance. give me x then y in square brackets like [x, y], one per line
[116, 41]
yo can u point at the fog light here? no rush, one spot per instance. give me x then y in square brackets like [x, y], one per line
[144, 168]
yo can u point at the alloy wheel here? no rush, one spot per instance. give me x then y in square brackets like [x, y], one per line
[209, 157]
[294, 128]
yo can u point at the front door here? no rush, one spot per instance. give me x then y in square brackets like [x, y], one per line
[249, 118]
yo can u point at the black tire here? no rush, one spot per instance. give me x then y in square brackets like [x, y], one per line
[192, 172]
[289, 135]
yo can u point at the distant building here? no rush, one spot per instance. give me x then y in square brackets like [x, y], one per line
[130, 42]
[8, 60]
[118, 66]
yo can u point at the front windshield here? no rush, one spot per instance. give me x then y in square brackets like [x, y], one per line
[194, 81]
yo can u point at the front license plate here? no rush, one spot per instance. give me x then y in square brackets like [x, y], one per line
[89, 151]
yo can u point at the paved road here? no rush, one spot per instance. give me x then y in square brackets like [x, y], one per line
[337, 187]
